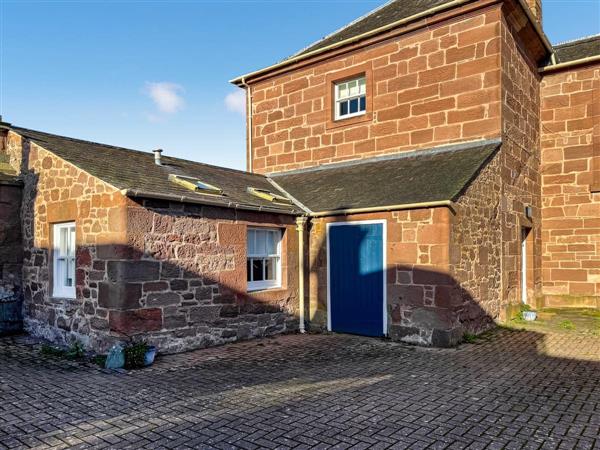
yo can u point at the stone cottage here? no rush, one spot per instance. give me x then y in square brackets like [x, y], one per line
[417, 174]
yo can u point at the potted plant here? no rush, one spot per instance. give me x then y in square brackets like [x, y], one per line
[150, 355]
[139, 354]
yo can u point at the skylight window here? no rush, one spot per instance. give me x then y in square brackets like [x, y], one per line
[194, 184]
[269, 196]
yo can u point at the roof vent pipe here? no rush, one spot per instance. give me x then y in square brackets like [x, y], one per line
[157, 155]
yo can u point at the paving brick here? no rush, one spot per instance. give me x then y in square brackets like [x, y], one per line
[312, 391]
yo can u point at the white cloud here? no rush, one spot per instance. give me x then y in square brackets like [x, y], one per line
[166, 96]
[236, 101]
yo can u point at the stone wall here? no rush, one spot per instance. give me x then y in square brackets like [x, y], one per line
[182, 277]
[435, 85]
[11, 256]
[420, 288]
[571, 186]
[476, 251]
[519, 161]
[169, 273]
[56, 191]
[11, 245]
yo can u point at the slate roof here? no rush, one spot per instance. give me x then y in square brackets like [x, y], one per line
[388, 13]
[413, 177]
[579, 49]
[136, 171]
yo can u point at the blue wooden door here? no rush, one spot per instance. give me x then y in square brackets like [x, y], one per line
[356, 278]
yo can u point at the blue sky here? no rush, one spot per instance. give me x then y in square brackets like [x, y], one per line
[148, 74]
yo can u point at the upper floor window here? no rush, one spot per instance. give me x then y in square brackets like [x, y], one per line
[351, 98]
[63, 279]
[264, 258]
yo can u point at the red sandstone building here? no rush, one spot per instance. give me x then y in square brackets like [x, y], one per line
[417, 174]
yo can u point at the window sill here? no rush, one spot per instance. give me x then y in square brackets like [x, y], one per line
[62, 297]
[258, 290]
[347, 121]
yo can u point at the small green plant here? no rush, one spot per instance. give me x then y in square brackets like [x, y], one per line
[99, 360]
[76, 351]
[567, 325]
[519, 317]
[469, 338]
[50, 350]
[135, 355]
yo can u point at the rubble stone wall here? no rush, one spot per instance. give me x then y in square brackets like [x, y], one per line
[420, 285]
[476, 251]
[56, 191]
[183, 277]
[519, 165]
[171, 274]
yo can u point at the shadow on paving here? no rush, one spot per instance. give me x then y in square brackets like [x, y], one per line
[511, 390]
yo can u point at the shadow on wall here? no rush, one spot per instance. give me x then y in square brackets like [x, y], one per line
[424, 306]
[124, 293]
[183, 288]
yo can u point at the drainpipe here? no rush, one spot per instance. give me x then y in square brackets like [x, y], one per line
[248, 121]
[300, 222]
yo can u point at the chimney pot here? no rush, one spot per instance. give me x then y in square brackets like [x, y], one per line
[157, 155]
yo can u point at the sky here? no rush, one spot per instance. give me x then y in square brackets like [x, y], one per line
[154, 74]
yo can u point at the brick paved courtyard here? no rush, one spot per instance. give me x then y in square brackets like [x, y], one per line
[517, 389]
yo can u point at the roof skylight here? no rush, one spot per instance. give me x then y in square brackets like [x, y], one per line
[269, 196]
[195, 184]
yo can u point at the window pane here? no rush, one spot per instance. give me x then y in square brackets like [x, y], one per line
[261, 242]
[353, 105]
[342, 90]
[70, 276]
[363, 103]
[71, 246]
[270, 269]
[272, 242]
[248, 270]
[353, 87]
[257, 270]
[343, 108]
[63, 241]
[251, 244]
[362, 85]
[60, 272]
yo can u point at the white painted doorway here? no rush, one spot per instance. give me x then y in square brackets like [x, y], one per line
[524, 264]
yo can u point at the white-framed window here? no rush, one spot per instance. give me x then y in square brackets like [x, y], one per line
[63, 259]
[351, 98]
[264, 258]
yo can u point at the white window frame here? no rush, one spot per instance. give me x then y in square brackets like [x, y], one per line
[264, 284]
[60, 256]
[339, 98]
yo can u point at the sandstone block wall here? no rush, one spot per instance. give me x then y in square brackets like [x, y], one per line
[519, 161]
[11, 245]
[169, 273]
[421, 291]
[182, 281]
[56, 191]
[433, 86]
[571, 186]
